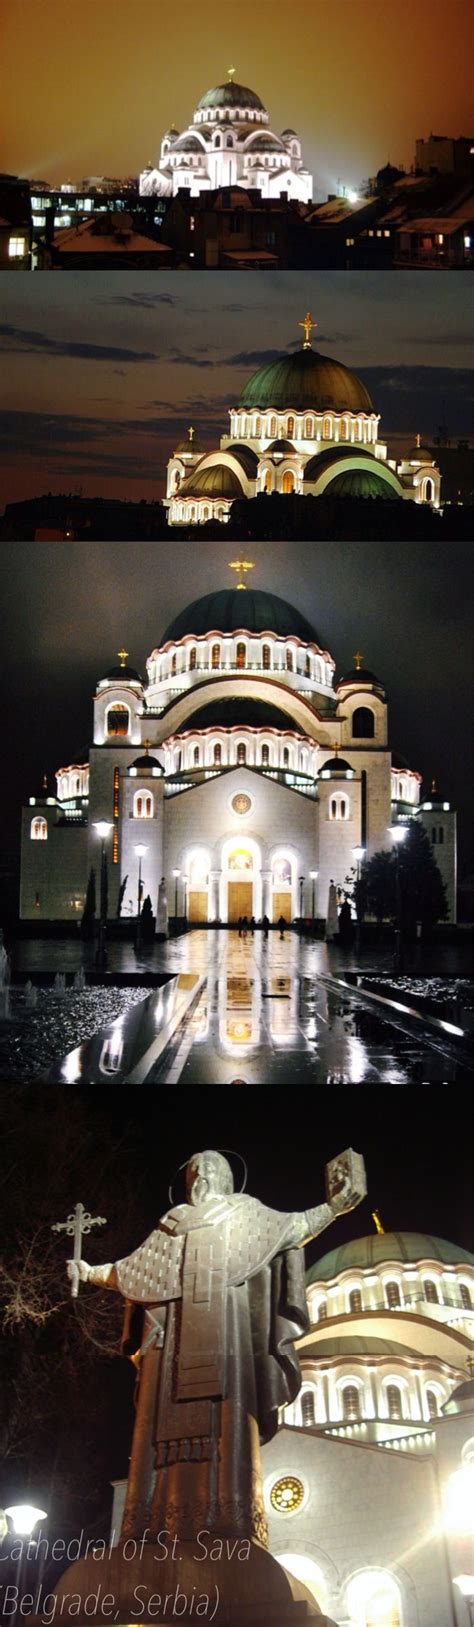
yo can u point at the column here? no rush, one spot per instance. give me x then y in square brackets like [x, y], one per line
[214, 879]
[267, 893]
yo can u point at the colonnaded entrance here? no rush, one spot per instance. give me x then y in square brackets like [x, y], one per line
[238, 885]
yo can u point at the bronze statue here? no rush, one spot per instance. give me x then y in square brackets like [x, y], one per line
[222, 1283]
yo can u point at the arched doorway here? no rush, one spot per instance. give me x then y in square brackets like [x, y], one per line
[288, 481]
[241, 888]
[197, 872]
[283, 874]
[373, 1599]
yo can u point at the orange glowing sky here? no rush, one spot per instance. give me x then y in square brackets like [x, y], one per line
[89, 86]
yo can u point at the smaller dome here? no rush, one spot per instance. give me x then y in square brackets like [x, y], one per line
[289, 133]
[188, 144]
[336, 765]
[460, 1400]
[359, 675]
[281, 446]
[419, 454]
[171, 134]
[188, 448]
[126, 675]
[147, 764]
[212, 480]
[266, 144]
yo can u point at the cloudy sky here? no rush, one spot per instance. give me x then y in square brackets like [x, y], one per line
[90, 86]
[103, 374]
[67, 609]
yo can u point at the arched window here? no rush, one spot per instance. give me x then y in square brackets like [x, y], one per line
[432, 1404]
[193, 659]
[143, 805]
[196, 757]
[291, 426]
[241, 656]
[286, 757]
[288, 480]
[363, 723]
[351, 1404]
[273, 426]
[339, 808]
[344, 429]
[267, 480]
[173, 665]
[355, 1300]
[258, 426]
[373, 1600]
[241, 753]
[393, 1296]
[265, 756]
[179, 758]
[215, 656]
[394, 1402]
[289, 660]
[429, 491]
[38, 830]
[323, 1311]
[308, 429]
[229, 141]
[217, 141]
[217, 755]
[327, 429]
[118, 719]
[431, 1292]
[333, 808]
[307, 666]
[466, 1301]
[308, 1409]
[266, 657]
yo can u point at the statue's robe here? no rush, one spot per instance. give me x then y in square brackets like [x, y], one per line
[223, 1287]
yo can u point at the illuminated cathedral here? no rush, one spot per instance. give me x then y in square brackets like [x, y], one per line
[229, 143]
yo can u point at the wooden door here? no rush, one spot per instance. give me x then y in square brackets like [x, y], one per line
[197, 906]
[282, 906]
[239, 899]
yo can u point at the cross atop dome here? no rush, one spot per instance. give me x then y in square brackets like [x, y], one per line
[242, 566]
[307, 324]
[357, 659]
[230, 74]
[122, 655]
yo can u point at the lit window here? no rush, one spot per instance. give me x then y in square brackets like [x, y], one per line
[266, 657]
[287, 1494]
[265, 756]
[217, 756]
[308, 1410]
[393, 1295]
[466, 1301]
[322, 1311]
[431, 1293]
[289, 660]
[432, 1404]
[291, 426]
[355, 1300]
[241, 753]
[173, 665]
[143, 805]
[192, 660]
[196, 757]
[215, 657]
[17, 248]
[440, 238]
[241, 655]
[286, 757]
[350, 1404]
[38, 830]
[118, 719]
[394, 1402]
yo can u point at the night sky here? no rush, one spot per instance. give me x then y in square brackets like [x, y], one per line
[90, 86]
[68, 608]
[103, 374]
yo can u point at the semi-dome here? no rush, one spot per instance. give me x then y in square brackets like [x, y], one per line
[380, 1248]
[461, 1399]
[362, 483]
[212, 480]
[238, 713]
[231, 610]
[230, 95]
[306, 381]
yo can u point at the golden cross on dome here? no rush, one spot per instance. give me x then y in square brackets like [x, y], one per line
[378, 1223]
[230, 73]
[357, 659]
[336, 747]
[418, 439]
[307, 324]
[122, 655]
[147, 744]
[242, 566]
[433, 787]
[190, 432]
[45, 782]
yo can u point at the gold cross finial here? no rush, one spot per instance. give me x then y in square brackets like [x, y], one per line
[307, 324]
[190, 432]
[147, 744]
[242, 566]
[122, 655]
[358, 659]
[335, 747]
[378, 1223]
[45, 782]
[433, 787]
[230, 74]
[418, 439]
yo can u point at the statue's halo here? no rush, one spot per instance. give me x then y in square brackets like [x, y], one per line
[227, 1152]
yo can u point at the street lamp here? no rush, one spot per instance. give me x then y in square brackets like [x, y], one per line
[24, 1517]
[103, 828]
[359, 855]
[466, 1587]
[314, 876]
[301, 882]
[176, 874]
[398, 834]
[140, 851]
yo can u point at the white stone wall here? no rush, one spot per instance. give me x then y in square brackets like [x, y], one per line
[279, 819]
[55, 869]
[445, 852]
[148, 832]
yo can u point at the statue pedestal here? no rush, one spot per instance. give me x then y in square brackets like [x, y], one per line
[135, 1583]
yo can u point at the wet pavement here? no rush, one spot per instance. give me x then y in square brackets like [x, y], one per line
[275, 1011]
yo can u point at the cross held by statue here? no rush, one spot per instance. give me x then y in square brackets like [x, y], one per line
[77, 1225]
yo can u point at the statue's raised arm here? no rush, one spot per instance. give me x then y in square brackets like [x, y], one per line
[346, 1186]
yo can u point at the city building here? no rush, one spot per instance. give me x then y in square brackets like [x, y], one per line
[229, 143]
[305, 424]
[368, 1483]
[244, 769]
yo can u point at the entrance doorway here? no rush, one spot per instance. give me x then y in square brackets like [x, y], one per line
[282, 906]
[197, 906]
[239, 894]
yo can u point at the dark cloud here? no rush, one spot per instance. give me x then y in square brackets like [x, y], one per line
[29, 342]
[140, 301]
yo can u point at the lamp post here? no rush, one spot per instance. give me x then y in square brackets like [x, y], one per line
[140, 851]
[359, 855]
[24, 1517]
[466, 1587]
[103, 828]
[185, 900]
[398, 834]
[301, 882]
[314, 876]
[176, 874]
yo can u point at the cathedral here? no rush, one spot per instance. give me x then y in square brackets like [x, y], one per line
[228, 144]
[304, 424]
[368, 1484]
[244, 769]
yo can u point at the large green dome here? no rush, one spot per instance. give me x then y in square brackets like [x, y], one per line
[406, 1247]
[231, 95]
[231, 610]
[308, 382]
[211, 480]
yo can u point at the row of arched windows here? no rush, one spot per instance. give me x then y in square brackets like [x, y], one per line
[352, 1403]
[328, 428]
[303, 663]
[430, 1291]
